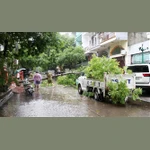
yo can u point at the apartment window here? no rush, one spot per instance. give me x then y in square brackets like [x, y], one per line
[92, 40]
[117, 50]
[90, 43]
[95, 41]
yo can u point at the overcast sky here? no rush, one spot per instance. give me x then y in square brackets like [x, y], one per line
[62, 32]
[68, 33]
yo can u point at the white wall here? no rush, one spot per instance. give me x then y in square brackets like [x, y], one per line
[86, 38]
[122, 35]
[136, 37]
[85, 41]
[135, 48]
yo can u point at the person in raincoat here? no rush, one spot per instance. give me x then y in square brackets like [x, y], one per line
[21, 75]
[18, 75]
[37, 79]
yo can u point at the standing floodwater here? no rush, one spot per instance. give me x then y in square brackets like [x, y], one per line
[60, 101]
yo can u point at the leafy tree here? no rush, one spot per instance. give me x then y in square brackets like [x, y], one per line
[64, 42]
[99, 65]
[52, 59]
[27, 47]
[34, 48]
[28, 61]
[20, 43]
[70, 57]
[47, 60]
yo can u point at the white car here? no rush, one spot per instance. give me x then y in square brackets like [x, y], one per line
[142, 72]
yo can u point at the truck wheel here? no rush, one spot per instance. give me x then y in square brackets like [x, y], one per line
[96, 95]
[80, 91]
[101, 97]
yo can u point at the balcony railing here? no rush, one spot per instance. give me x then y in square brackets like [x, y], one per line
[92, 47]
[106, 36]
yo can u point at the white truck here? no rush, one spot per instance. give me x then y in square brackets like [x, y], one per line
[100, 88]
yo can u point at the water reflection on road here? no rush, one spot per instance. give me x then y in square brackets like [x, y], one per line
[60, 101]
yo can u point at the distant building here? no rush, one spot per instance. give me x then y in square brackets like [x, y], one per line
[109, 44]
[78, 38]
[136, 42]
[125, 47]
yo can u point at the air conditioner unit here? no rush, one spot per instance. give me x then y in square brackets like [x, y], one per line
[123, 52]
[100, 40]
[148, 35]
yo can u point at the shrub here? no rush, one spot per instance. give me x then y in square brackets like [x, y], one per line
[45, 83]
[135, 93]
[119, 91]
[67, 79]
[80, 69]
[88, 94]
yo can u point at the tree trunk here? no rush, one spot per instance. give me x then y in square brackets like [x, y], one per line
[5, 47]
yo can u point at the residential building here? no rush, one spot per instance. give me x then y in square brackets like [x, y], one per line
[90, 43]
[78, 38]
[109, 44]
[138, 42]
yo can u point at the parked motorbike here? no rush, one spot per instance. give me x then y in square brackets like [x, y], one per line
[28, 87]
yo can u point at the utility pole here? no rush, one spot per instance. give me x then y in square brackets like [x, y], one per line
[142, 49]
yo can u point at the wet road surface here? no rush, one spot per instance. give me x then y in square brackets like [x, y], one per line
[60, 101]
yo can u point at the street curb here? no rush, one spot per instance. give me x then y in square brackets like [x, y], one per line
[138, 102]
[5, 97]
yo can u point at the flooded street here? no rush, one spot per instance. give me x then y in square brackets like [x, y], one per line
[60, 101]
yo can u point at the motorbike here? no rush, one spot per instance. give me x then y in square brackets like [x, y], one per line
[28, 87]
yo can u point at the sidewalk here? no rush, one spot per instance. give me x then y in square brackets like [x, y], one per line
[5, 96]
[145, 101]
[17, 89]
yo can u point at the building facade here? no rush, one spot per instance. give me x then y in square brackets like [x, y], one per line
[90, 43]
[139, 47]
[109, 44]
[78, 38]
[126, 47]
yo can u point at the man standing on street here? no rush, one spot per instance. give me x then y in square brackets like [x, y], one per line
[37, 80]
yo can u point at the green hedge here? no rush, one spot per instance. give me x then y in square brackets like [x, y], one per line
[67, 79]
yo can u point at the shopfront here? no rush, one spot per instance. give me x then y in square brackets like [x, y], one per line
[137, 58]
[116, 52]
[135, 54]
[121, 61]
